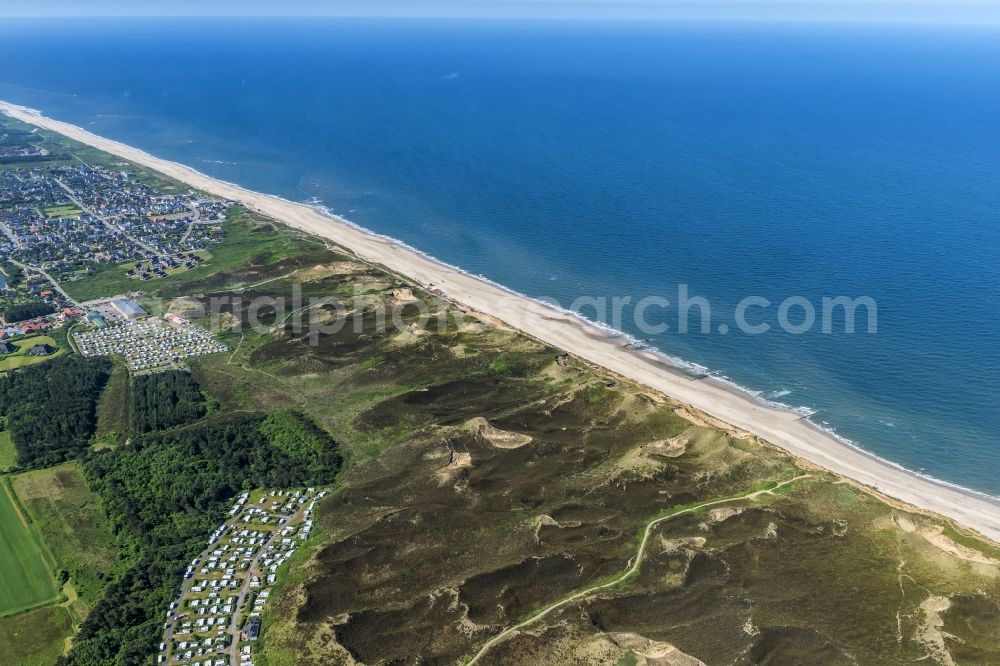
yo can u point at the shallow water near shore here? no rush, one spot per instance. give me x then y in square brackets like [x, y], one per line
[622, 160]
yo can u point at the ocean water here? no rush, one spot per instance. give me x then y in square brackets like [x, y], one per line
[618, 159]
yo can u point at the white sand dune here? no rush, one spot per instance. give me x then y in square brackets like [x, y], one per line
[589, 342]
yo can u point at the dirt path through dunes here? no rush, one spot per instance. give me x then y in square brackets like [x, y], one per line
[636, 561]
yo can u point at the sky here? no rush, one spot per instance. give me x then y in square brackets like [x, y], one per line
[919, 11]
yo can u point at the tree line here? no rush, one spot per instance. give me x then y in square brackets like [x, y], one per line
[25, 311]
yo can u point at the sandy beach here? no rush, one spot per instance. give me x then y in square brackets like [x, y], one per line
[584, 340]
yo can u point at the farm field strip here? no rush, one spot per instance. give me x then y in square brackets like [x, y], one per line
[25, 577]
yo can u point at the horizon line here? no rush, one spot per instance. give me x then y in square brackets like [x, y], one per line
[992, 21]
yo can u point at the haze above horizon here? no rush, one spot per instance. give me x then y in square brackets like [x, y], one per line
[873, 11]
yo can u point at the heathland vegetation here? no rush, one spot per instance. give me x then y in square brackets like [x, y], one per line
[36, 637]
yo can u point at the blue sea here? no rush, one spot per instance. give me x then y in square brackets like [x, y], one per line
[621, 159]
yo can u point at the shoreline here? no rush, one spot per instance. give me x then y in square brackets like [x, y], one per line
[586, 340]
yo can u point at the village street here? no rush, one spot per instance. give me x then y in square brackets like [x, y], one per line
[108, 223]
[55, 284]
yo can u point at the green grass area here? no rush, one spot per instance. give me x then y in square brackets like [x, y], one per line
[20, 358]
[112, 410]
[39, 163]
[67, 210]
[25, 574]
[628, 660]
[503, 365]
[8, 453]
[27, 343]
[35, 638]
[68, 519]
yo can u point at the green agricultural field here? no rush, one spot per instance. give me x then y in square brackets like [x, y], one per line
[8, 454]
[20, 358]
[25, 574]
[67, 516]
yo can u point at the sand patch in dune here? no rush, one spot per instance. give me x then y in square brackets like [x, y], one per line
[680, 545]
[934, 534]
[670, 448]
[501, 439]
[653, 653]
[930, 633]
[457, 461]
[402, 295]
[347, 267]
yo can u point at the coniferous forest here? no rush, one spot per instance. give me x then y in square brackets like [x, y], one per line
[50, 408]
[163, 400]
